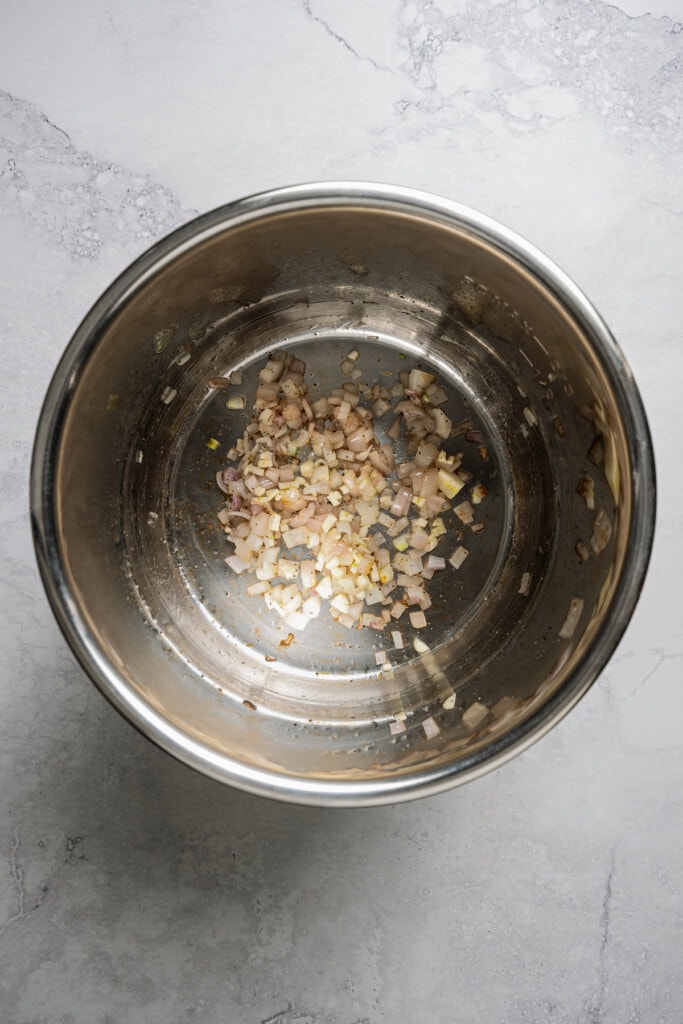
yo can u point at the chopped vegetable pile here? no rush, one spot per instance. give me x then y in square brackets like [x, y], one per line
[318, 510]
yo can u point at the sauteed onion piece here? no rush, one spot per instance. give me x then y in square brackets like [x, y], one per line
[319, 511]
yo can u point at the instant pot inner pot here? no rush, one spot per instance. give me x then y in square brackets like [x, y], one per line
[137, 500]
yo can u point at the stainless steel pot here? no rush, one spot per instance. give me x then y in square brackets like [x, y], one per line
[124, 510]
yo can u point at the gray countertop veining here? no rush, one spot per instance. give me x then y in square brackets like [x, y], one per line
[133, 891]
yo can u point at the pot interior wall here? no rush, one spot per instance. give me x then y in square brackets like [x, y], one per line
[137, 501]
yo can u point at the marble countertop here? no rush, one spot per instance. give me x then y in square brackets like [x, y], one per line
[133, 891]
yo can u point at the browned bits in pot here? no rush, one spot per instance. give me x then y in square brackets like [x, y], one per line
[582, 551]
[586, 488]
[461, 428]
[596, 452]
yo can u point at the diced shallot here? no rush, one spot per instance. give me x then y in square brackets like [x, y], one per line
[237, 564]
[602, 531]
[458, 557]
[475, 715]
[435, 562]
[317, 509]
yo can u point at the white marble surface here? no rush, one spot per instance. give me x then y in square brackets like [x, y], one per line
[133, 891]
